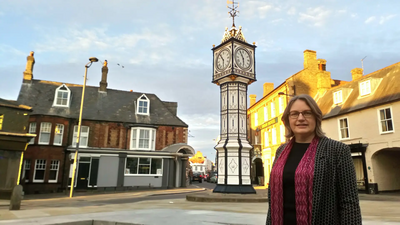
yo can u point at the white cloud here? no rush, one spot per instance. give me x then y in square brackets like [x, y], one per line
[354, 15]
[151, 46]
[370, 19]
[258, 9]
[316, 16]
[342, 11]
[291, 11]
[386, 18]
[276, 21]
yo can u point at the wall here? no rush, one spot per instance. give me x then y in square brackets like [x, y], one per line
[15, 120]
[108, 171]
[149, 181]
[364, 128]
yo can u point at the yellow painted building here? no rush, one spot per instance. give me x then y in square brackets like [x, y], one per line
[266, 131]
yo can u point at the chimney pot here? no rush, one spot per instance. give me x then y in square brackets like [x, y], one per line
[103, 82]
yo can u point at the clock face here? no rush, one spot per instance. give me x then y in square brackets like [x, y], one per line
[242, 58]
[223, 59]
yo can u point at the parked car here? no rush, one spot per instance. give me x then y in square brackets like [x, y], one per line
[213, 179]
[197, 177]
[210, 175]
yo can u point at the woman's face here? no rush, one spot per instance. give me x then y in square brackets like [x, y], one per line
[302, 120]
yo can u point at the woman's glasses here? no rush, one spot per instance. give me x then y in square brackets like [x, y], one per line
[295, 114]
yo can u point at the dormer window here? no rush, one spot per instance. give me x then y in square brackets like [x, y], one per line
[62, 96]
[143, 105]
[337, 97]
[365, 88]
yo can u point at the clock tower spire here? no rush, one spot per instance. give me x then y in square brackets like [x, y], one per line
[233, 71]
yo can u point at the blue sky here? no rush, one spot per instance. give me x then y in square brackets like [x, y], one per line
[165, 46]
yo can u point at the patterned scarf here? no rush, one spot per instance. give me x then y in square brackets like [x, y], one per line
[303, 185]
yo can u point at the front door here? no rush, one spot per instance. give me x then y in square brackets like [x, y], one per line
[83, 175]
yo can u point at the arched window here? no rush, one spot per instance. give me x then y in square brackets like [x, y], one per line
[143, 106]
[62, 96]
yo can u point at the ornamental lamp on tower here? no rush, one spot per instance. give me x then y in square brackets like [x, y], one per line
[233, 71]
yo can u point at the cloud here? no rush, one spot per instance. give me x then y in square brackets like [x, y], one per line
[370, 19]
[258, 9]
[386, 18]
[316, 16]
[342, 11]
[72, 40]
[276, 21]
[291, 11]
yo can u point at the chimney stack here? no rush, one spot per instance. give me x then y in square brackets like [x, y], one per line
[28, 73]
[252, 99]
[268, 87]
[356, 73]
[310, 59]
[103, 82]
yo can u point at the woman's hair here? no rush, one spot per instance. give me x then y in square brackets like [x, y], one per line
[314, 109]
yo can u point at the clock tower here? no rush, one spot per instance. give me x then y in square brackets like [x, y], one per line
[233, 71]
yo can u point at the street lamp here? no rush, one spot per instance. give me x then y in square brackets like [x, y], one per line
[91, 60]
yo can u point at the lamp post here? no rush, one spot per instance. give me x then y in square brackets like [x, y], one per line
[91, 60]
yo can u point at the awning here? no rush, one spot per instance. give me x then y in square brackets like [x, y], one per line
[180, 148]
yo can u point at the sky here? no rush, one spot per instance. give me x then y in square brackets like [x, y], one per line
[165, 46]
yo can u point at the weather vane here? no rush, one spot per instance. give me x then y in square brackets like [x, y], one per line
[233, 11]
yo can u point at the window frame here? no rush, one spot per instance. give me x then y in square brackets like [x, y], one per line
[82, 134]
[273, 110]
[55, 134]
[282, 133]
[32, 131]
[52, 169]
[281, 105]
[146, 100]
[337, 97]
[266, 138]
[138, 164]
[34, 180]
[274, 137]
[366, 90]
[340, 128]
[68, 91]
[380, 120]
[40, 133]
[151, 142]
[265, 113]
[256, 119]
[26, 168]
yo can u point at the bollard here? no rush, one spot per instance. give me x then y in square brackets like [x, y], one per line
[16, 198]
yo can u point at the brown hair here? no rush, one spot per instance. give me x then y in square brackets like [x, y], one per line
[314, 109]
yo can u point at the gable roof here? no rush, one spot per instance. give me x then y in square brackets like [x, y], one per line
[13, 104]
[387, 91]
[113, 106]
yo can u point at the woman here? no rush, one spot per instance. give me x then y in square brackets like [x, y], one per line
[313, 180]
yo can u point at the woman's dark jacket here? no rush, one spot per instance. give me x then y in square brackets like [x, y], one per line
[335, 194]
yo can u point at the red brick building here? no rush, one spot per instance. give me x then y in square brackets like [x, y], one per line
[128, 139]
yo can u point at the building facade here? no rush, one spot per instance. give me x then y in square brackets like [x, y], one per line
[200, 163]
[266, 131]
[128, 139]
[13, 141]
[364, 114]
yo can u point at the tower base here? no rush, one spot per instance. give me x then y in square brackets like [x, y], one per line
[234, 189]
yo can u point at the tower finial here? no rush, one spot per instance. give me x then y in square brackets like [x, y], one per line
[234, 11]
